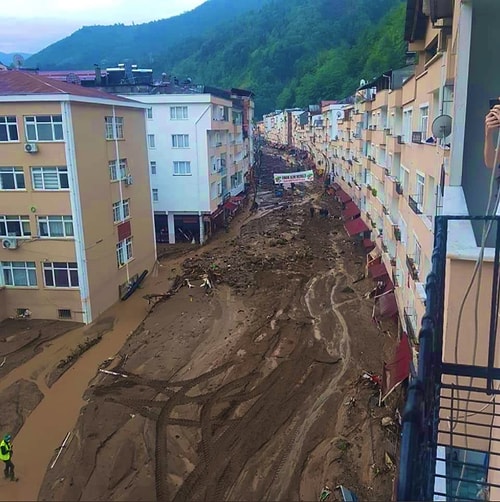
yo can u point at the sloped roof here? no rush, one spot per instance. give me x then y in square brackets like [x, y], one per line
[23, 83]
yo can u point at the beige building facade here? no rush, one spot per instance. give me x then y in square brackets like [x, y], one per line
[76, 225]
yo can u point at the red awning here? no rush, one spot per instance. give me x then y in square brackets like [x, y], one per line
[335, 186]
[238, 198]
[230, 206]
[386, 305]
[343, 197]
[377, 271]
[398, 369]
[355, 227]
[368, 244]
[350, 211]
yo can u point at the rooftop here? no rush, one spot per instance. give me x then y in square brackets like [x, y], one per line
[29, 84]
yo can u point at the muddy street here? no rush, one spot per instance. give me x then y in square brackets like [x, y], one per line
[249, 391]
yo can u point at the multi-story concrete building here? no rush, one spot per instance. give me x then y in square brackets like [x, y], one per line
[76, 224]
[200, 150]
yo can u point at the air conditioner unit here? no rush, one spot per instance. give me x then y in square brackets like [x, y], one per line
[10, 243]
[30, 147]
[129, 180]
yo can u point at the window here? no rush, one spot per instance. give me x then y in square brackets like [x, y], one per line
[121, 210]
[152, 165]
[151, 141]
[44, 128]
[180, 140]
[55, 226]
[149, 113]
[50, 178]
[405, 175]
[420, 190]
[15, 226]
[8, 128]
[424, 121]
[64, 313]
[19, 273]
[182, 168]
[124, 251]
[117, 172]
[155, 195]
[114, 127]
[418, 253]
[178, 113]
[60, 275]
[407, 125]
[214, 191]
[12, 178]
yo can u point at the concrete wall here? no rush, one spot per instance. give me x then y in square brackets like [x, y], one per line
[98, 193]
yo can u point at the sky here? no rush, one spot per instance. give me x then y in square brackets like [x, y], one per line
[31, 25]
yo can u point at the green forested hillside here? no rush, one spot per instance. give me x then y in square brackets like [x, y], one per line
[289, 52]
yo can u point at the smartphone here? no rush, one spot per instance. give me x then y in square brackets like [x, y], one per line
[494, 102]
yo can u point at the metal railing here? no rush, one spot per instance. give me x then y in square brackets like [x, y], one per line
[450, 446]
[414, 205]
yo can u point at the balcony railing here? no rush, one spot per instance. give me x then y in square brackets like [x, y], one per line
[449, 447]
[414, 204]
[412, 268]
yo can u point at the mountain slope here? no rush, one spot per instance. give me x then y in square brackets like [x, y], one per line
[109, 45]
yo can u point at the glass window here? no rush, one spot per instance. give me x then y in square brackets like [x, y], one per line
[182, 168]
[12, 178]
[155, 195]
[124, 251]
[49, 178]
[178, 112]
[152, 165]
[420, 190]
[19, 273]
[114, 127]
[55, 226]
[149, 113]
[117, 172]
[8, 128]
[121, 210]
[44, 128]
[151, 141]
[15, 226]
[180, 140]
[424, 121]
[60, 275]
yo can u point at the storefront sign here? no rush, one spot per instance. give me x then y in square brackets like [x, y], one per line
[299, 177]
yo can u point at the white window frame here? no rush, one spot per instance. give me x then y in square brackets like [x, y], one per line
[149, 113]
[124, 252]
[31, 123]
[179, 112]
[26, 266]
[155, 195]
[59, 171]
[407, 124]
[424, 121]
[68, 267]
[113, 127]
[182, 168]
[152, 166]
[23, 223]
[151, 141]
[51, 223]
[9, 122]
[121, 210]
[122, 169]
[420, 189]
[180, 140]
[17, 174]
[405, 179]
[417, 255]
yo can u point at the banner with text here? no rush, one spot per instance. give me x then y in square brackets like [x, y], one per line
[299, 177]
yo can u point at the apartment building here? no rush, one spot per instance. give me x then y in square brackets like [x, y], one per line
[76, 224]
[200, 150]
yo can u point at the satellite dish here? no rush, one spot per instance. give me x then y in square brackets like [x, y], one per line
[441, 127]
[72, 78]
[17, 60]
[362, 82]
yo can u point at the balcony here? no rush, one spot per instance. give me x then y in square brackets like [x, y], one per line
[450, 430]
[366, 134]
[378, 171]
[393, 143]
[410, 320]
[378, 137]
[415, 206]
[390, 185]
[412, 268]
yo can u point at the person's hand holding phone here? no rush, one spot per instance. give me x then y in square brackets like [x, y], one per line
[492, 120]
